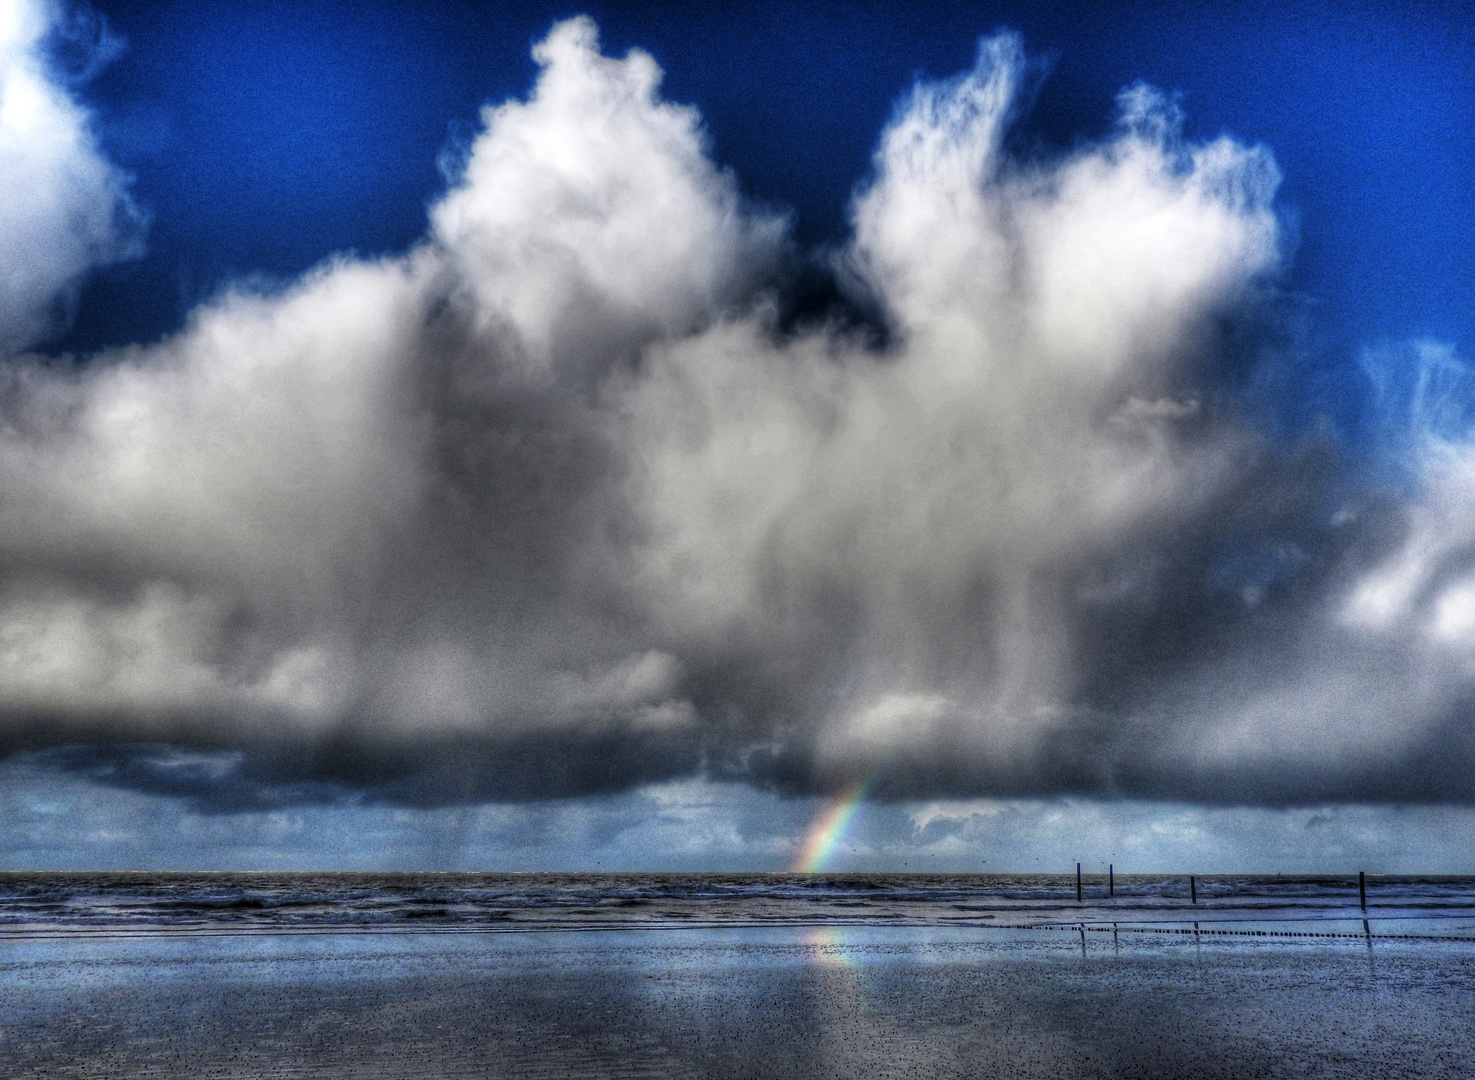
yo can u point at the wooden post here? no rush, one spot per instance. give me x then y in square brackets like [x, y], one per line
[1192, 888]
[1111, 878]
[1362, 889]
[1078, 885]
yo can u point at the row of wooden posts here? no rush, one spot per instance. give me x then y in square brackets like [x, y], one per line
[1193, 886]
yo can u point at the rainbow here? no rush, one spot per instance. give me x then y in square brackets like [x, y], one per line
[828, 829]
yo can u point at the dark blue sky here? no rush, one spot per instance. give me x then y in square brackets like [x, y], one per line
[264, 137]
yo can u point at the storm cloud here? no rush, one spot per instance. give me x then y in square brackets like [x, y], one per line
[562, 500]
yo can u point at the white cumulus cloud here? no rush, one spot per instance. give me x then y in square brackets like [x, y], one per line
[64, 208]
[552, 503]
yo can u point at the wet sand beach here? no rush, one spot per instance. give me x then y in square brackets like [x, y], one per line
[844, 1001]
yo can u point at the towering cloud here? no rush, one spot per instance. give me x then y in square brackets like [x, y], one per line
[555, 502]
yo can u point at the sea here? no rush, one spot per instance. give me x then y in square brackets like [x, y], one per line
[243, 976]
[40, 904]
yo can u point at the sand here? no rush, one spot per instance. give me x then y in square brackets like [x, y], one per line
[773, 1002]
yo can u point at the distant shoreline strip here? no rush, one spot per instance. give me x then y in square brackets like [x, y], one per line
[121, 934]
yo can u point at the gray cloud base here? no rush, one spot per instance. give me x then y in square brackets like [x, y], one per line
[560, 502]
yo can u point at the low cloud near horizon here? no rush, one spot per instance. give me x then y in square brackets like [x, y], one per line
[565, 500]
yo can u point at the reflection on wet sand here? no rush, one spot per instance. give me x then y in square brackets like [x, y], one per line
[834, 1002]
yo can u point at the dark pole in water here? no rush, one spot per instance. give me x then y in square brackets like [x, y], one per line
[1078, 883]
[1111, 878]
[1192, 888]
[1362, 889]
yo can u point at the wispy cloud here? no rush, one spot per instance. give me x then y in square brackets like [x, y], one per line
[63, 208]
